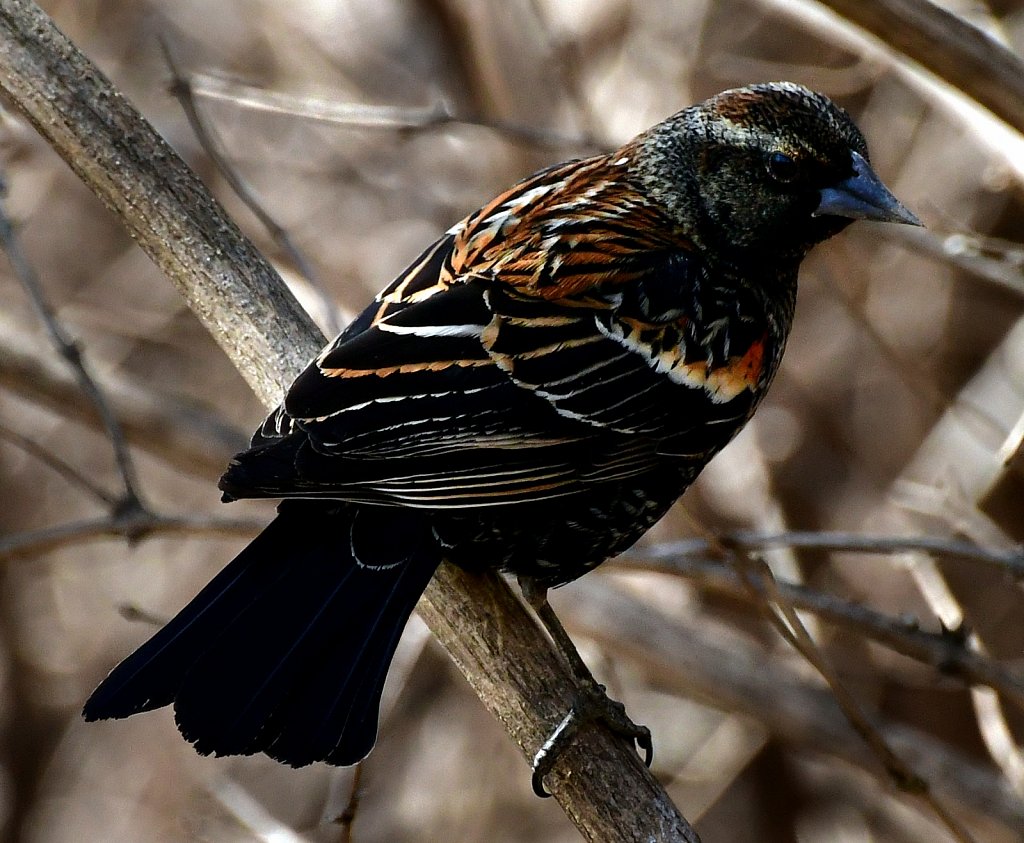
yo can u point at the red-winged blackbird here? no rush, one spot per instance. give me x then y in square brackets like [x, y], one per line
[532, 394]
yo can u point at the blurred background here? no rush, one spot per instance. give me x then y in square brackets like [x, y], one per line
[366, 128]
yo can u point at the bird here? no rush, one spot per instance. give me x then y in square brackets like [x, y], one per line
[531, 395]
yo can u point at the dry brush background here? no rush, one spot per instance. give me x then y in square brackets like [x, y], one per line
[897, 413]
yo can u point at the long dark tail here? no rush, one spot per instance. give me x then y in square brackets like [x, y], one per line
[286, 650]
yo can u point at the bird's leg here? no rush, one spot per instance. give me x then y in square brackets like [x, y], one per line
[592, 703]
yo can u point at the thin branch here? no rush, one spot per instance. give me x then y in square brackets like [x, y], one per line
[997, 733]
[599, 781]
[346, 819]
[361, 116]
[132, 525]
[756, 576]
[235, 293]
[1010, 562]
[695, 657]
[566, 70]
[996, 261]
[189, 437]
[945, 651]
[181, 89]
[70, 351]
[752, 568]
[56, 464]
[135, 614]
[251, 814]
[949, 46]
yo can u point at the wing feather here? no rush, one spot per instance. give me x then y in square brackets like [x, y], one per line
[549, 342]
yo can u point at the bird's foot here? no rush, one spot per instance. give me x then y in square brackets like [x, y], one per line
[592, 705]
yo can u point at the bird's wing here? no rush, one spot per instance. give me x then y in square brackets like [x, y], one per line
[475, 379]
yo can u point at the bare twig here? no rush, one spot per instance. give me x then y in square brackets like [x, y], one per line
[133, 525]
[357, 115]
[181, 89]
[695, 657]
[567, 71]
[346, 819]
[997, 733]
[751, 569]
[1010, 562]
[51, 460]
[251, 814]
[70, 351]
[755, 575]
[945, 651]
[948, 46]
[998, 262]
[599, 781]
[136, 614]
[188, 437]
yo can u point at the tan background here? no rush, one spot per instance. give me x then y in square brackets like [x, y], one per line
[897, 359]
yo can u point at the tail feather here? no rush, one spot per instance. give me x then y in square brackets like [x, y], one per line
[286, 651]
[151, 676]
[340, 711]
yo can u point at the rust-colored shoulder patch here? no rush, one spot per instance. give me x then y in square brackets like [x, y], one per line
[566, 230]
[723, 383]
[740, 373]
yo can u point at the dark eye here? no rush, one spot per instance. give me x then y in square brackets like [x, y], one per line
[782, 168]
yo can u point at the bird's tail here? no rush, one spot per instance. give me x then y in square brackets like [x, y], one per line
[286, 650]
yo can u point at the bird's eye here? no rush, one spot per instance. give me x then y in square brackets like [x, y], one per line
[782, 167]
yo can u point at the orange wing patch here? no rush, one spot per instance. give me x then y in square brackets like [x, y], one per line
[723, 383]
[739, 374]
[664, 347]
[565, 231]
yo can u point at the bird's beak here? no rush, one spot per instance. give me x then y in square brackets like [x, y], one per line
[863, 197]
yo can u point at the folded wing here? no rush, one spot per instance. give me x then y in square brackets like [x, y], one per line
[471, 382]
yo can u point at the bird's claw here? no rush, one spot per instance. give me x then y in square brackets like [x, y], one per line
[552, 748]
[592, 705]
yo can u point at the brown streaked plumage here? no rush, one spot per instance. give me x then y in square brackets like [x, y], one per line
[532, 394]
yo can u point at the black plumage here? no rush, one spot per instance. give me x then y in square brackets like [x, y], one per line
[532, 394]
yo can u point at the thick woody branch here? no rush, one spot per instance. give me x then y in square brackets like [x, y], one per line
[240, 299]
[226, 282]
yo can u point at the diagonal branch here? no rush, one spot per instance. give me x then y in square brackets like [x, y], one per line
[72, 354]
[947, 45]
[599, 781]
[71, 474]
[714, 663]
[181, 89]
[946, 651]
[182, 434]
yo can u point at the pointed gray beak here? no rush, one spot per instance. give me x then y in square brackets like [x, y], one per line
[863, 197]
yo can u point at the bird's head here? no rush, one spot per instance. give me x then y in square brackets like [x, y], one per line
[770, 168]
